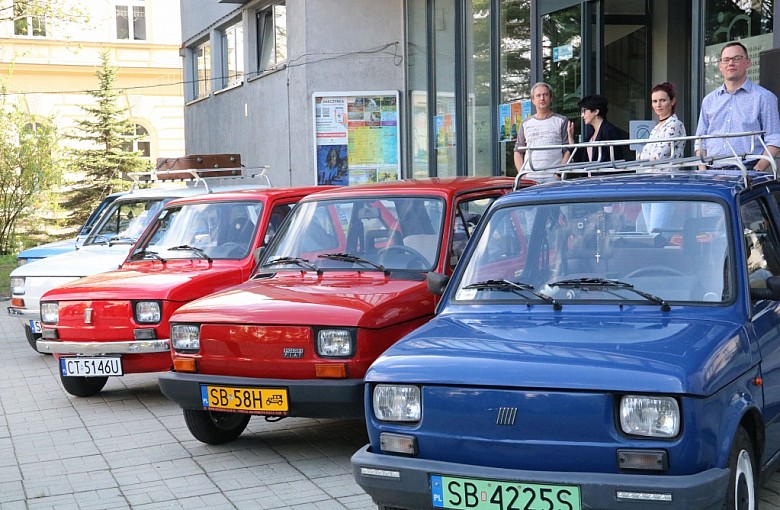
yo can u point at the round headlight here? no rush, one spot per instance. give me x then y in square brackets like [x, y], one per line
[397, 403]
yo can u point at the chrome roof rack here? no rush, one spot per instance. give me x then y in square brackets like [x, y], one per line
[572, 169]
[216, 169]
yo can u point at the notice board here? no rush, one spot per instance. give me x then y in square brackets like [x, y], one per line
[356, 137]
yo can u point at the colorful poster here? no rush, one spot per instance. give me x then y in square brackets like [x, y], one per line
[356, 137]
[444, 127]
[510, 115]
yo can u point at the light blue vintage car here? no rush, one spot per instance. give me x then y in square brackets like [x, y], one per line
[55, 248]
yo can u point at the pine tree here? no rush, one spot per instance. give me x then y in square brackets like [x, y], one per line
[103, 158]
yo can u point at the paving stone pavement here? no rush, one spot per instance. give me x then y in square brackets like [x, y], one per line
[128, 447]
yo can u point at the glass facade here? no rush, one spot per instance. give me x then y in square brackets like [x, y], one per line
[470, 65]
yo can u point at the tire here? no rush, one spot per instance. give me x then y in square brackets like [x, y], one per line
[83, 386]
[212, 427]
[742, 490]
[32, 338]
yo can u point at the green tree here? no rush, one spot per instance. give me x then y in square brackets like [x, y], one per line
[104, 156]
[28, 168]
[32, 17]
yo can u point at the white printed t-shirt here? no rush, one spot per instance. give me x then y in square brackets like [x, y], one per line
[550, 131]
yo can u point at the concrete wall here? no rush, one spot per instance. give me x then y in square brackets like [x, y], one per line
[333, 46]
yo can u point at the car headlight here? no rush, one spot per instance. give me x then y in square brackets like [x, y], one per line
[335, 343]
[21, 261]
[147, 312]
[50, 312]
[397, 402]
[650, 416]
[17, 285]
[185, 337]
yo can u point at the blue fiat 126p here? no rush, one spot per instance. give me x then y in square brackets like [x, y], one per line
[609, 342]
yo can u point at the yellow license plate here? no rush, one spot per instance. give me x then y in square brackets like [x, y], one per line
[250, 400]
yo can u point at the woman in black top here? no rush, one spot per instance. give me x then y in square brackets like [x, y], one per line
[593, 110]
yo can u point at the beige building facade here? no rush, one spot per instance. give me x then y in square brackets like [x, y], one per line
[48, 66]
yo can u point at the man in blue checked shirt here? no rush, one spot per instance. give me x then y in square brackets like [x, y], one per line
[739, 105]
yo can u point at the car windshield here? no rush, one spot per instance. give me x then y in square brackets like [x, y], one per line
[364, 233]
[649, 252]
[215, 230]
[125, 221]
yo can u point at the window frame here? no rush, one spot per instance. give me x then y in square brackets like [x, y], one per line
[28, 22]
[271, 36]
[138, 10]
[201, 54]
[232, 38]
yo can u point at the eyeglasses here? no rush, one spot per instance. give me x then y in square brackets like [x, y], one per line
[737, 59]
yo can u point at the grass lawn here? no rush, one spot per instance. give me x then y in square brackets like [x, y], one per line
[7, 264]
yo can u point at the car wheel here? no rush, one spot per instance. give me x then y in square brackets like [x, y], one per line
[32, 338]
[83, 386]
[741, 494]
[213, 427]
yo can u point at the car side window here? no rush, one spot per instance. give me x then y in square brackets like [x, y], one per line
[761, 246]
[468, 212]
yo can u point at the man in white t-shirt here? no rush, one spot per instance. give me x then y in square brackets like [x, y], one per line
[543, 128]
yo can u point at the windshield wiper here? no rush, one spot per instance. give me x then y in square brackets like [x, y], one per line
[122, 240]
[582, 283]
[200, 252]
[142, 254]
[516, 287]
[354, 259]
[292, 260]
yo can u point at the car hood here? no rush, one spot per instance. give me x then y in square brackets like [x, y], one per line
[77, 263]
[49, 249]
[609, 353]
[350, 299]
[180, 280]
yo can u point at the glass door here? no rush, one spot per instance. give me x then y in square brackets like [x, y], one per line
[562, 35]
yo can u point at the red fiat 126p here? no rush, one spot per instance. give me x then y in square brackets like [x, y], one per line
[342, 281]
[116, 323]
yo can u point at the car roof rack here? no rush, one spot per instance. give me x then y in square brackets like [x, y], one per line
[208, 169]
[572, 169]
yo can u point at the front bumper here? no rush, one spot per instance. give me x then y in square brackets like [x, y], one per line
[97, 348]
[404, 483]
[310, 398]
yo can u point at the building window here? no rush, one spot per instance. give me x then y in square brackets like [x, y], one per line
[138, 140]
[271, 36]
[131, 22]
[201, 63]
[27, 24]
[233, 55]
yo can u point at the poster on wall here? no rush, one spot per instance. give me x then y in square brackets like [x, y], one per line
[510, 115]
[356, 137]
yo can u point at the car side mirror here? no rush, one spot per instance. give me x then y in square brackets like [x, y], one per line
[771, 292]
[437, 282]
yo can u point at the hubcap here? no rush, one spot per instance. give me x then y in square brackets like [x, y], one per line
[743, 488]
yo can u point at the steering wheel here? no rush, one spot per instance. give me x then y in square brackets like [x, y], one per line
[399, 253]
[655, 271]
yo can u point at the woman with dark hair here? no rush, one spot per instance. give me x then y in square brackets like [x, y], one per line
[664, 102]
[593, 110]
